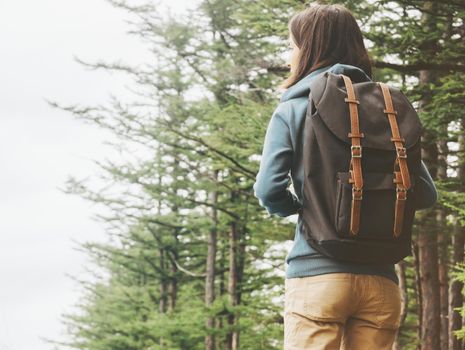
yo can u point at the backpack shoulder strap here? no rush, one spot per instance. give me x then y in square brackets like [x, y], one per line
[355, 169]
[401, 172]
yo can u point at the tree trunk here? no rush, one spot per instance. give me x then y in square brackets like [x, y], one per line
[240, 272]
[222, 288]
[456, 297]
[163, 286]
[427, 237]
[416, 262]
[231, 339]
[173, 283]
[162, 306]
[429, 275]
[428, 253]
[210, 273]
[443, 244]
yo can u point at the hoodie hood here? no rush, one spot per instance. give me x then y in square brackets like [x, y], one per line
[302, 87]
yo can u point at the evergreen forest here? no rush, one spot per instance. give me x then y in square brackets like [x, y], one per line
[193, 261]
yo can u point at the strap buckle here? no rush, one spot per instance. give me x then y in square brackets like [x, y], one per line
[357, 193]
[354, 150]
[401, 152]
[401, 193]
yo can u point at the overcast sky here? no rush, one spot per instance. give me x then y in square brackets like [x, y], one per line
[41, 146]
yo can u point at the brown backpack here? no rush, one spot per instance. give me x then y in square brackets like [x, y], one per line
[361, 159]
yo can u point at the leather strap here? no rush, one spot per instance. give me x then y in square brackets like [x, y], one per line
[401, 172]
[355, 167]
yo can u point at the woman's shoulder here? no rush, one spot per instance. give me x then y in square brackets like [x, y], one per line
[292, 109]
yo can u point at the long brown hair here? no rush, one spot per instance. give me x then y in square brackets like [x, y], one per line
[325, 35]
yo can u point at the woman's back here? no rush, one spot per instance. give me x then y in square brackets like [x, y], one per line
[282, 153]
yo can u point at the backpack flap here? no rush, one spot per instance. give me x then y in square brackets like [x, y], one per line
[328, 93]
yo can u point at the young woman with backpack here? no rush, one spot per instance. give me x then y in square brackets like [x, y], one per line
[333, 303]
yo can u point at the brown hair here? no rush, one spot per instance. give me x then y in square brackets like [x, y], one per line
[325, 35]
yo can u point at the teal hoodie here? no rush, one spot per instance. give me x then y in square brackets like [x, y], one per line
[282, 165]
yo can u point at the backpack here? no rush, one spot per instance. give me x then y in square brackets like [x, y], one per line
[361, 157]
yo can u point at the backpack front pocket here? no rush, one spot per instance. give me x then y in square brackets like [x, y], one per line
[377, 206]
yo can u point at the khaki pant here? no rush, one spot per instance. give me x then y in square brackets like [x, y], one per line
[341, 311]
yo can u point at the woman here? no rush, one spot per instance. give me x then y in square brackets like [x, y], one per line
[329, 304]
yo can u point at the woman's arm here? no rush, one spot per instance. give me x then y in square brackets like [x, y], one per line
[272, 180]
[425, 189]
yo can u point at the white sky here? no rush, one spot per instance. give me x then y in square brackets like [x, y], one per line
[41, 146]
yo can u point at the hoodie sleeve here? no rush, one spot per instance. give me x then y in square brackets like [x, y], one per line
[426, 193]
[273, 180]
